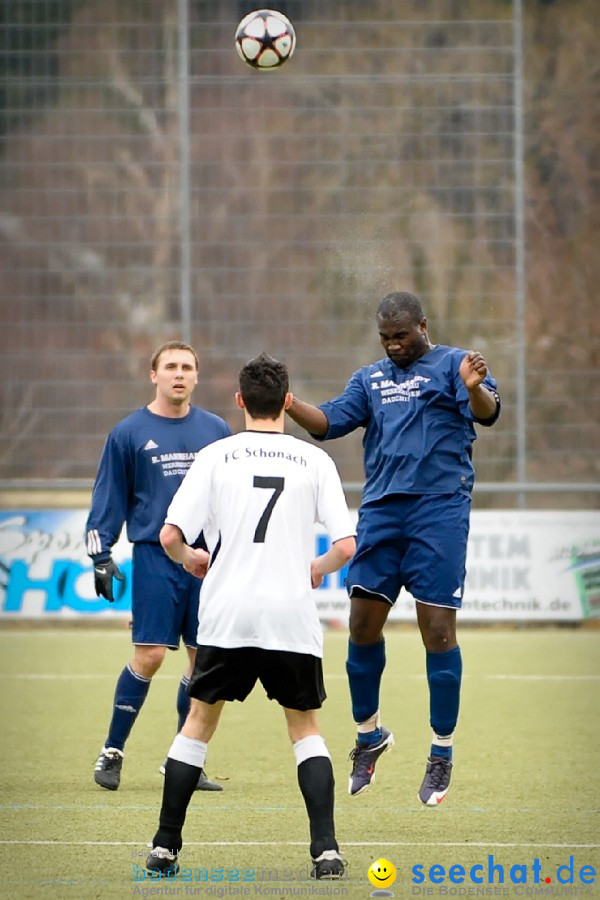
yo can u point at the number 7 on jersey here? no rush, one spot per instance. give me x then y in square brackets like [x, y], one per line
[276, 485]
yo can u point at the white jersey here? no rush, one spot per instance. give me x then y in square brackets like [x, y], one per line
[257, 495]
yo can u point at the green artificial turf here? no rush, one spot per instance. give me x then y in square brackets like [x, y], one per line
[525, 784]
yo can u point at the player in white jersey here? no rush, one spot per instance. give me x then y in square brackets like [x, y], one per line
[256, 496]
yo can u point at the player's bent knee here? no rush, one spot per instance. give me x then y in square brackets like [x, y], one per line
[437, 625]
[438, 640]
[367, 619]
[301, 723]
[195, 713]
[365, 631]
[148, 659]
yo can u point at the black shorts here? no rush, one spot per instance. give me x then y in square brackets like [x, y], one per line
[295, 680]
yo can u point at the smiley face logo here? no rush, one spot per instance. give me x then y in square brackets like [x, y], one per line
[382, 873]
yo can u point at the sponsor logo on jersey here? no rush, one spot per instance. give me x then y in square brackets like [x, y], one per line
[391, 392]
[174, 463]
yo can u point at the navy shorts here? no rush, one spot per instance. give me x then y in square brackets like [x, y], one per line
[164, 599]
[415, 541]
[294, 680]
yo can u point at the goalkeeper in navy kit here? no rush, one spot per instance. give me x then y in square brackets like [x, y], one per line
[144, 460]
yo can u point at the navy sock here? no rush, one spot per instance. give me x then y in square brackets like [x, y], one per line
[183, 702]
[443, 752]
[444, 672]
[369, 738]
[365, 665]
[130, 693]
[315, 777]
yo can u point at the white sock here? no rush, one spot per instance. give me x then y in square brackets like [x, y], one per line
[307, 747]
[370, 724]
[188, 750]
[442, 740]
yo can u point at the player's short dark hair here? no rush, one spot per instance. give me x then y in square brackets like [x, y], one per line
[172, 345]
[400, 302]
[264, 382]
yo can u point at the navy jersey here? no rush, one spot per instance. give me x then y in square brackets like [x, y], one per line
[143, 463]
[418, 424]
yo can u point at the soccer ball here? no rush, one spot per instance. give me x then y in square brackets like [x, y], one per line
[265, 39]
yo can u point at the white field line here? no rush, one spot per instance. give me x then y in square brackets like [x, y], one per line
[302, 844]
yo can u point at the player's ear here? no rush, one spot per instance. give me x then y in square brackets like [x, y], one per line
[289, 399]
[152, 376]
[239, 401]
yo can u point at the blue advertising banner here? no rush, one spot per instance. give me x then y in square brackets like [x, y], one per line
[535, 566]
[45, 570]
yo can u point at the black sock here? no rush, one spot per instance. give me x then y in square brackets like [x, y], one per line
[315, 777]
[183, 702]
[180, 782]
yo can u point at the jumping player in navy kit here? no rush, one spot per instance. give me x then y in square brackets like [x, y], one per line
[144, 460]
[418, 407]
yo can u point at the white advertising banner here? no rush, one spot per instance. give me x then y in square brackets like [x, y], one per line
[534, 566]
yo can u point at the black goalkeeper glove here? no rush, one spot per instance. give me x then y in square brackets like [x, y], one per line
[103, 578]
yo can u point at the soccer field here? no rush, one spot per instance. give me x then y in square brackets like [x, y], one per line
[525, 782]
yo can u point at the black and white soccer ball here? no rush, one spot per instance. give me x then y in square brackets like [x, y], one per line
[265, 39]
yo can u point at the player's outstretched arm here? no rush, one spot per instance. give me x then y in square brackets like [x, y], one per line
[308, 416]
[337, 556]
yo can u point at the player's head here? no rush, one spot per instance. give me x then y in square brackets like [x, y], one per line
[402, 328]
[172, 345]
[264, 386]
[401, 303]
[174, 372]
